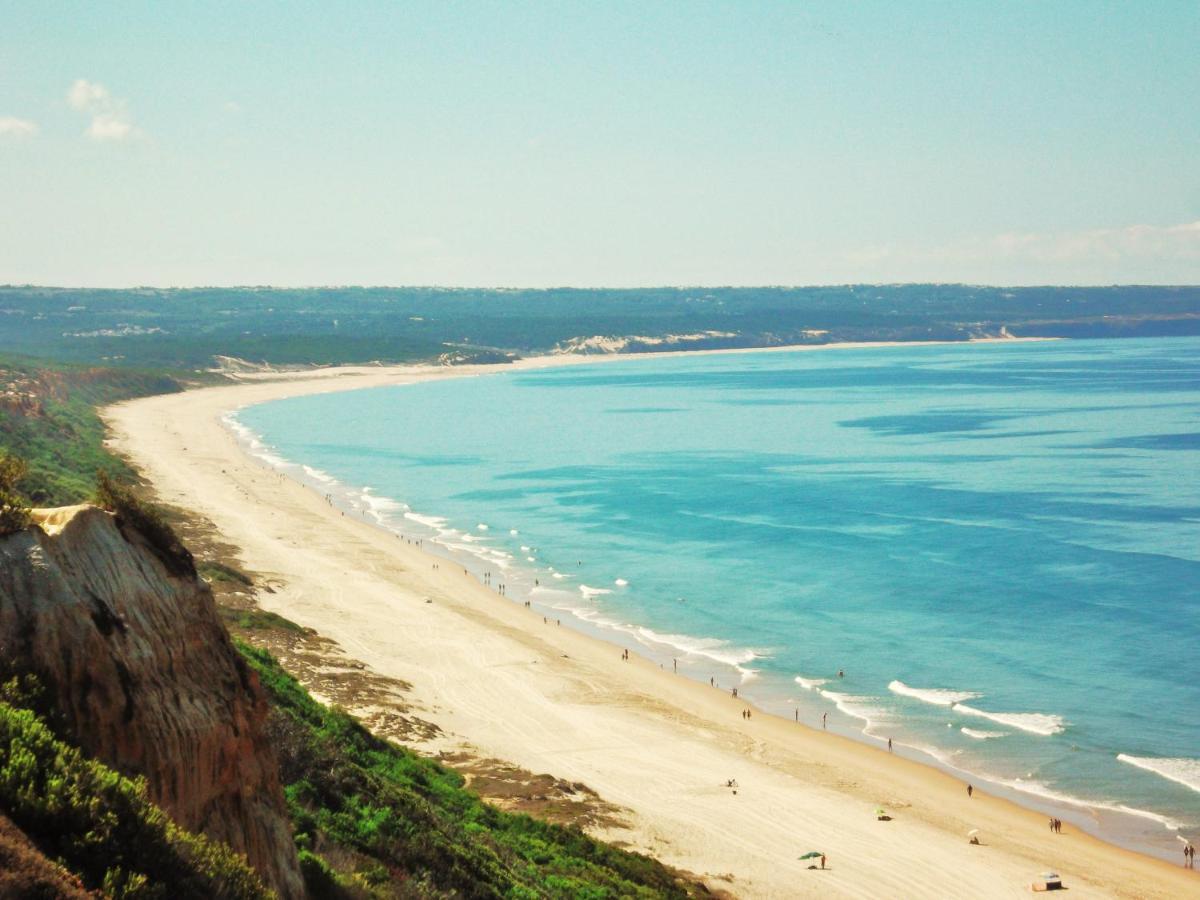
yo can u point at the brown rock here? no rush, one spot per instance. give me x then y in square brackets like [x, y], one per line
[147, 679]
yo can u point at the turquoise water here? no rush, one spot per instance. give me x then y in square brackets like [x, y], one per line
[998, 544]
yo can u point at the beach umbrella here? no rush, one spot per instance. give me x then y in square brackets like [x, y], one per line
[973, 832]
[812, 854]
[879, 811]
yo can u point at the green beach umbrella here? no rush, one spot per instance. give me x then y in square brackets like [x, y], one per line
[813, 854]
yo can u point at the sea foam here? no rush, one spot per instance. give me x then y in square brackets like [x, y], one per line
[1034, 723]
[1040, 790]
[810, 684]
[981, 735]
[714, 649]
[865, 709]
[936, 696]
[1180, 770]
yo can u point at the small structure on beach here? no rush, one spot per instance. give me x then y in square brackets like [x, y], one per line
[1048, 881]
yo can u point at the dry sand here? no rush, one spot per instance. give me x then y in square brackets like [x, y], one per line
[547, 698]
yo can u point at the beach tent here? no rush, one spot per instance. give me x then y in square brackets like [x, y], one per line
[812, 854]
[1050, 881]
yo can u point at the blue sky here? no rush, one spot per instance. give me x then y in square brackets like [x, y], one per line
[612, 143]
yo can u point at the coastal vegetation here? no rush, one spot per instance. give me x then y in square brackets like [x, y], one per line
[14, 511]
[99, 824]
[369, 818]
[49, 417]
[374, 819]
[196, 329]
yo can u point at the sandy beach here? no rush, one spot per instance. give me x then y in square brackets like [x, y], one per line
[495, 676]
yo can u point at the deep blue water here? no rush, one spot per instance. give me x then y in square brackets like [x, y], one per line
[1014, 529]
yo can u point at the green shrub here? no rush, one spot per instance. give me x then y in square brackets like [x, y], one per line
[415, 819]
[258, 620]
[14, 511]
[63, 438]
[320, 881]
[218, 571]
[101, 825]
[147, 520]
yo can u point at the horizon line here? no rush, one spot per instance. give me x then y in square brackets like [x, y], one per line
[570, 287]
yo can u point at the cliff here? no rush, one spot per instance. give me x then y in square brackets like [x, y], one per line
[146, 679]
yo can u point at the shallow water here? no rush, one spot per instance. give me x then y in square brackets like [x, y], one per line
[998, 544]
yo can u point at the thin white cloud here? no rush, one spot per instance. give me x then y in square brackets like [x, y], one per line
[110, 116]
[12, 127]
[1132, 243]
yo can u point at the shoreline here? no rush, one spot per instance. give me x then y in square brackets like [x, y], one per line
[1132, 828]
[1090, 816]
[660, 744]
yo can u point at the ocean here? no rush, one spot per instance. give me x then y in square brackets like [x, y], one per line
[996, 545]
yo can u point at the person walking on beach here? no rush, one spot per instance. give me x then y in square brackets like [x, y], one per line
[970, 790]
[824, 717]
[889, 745]
[822, 860]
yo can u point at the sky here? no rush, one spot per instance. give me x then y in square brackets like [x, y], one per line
[599, 144]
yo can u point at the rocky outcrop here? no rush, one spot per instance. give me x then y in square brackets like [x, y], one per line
[146, 678]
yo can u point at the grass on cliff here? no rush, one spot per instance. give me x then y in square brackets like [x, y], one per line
[403, 825]
[98, 823]
[49, 417]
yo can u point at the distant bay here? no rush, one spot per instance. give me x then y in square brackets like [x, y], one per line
[998, 545]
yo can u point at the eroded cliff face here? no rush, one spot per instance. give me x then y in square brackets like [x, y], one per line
[144, 673]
